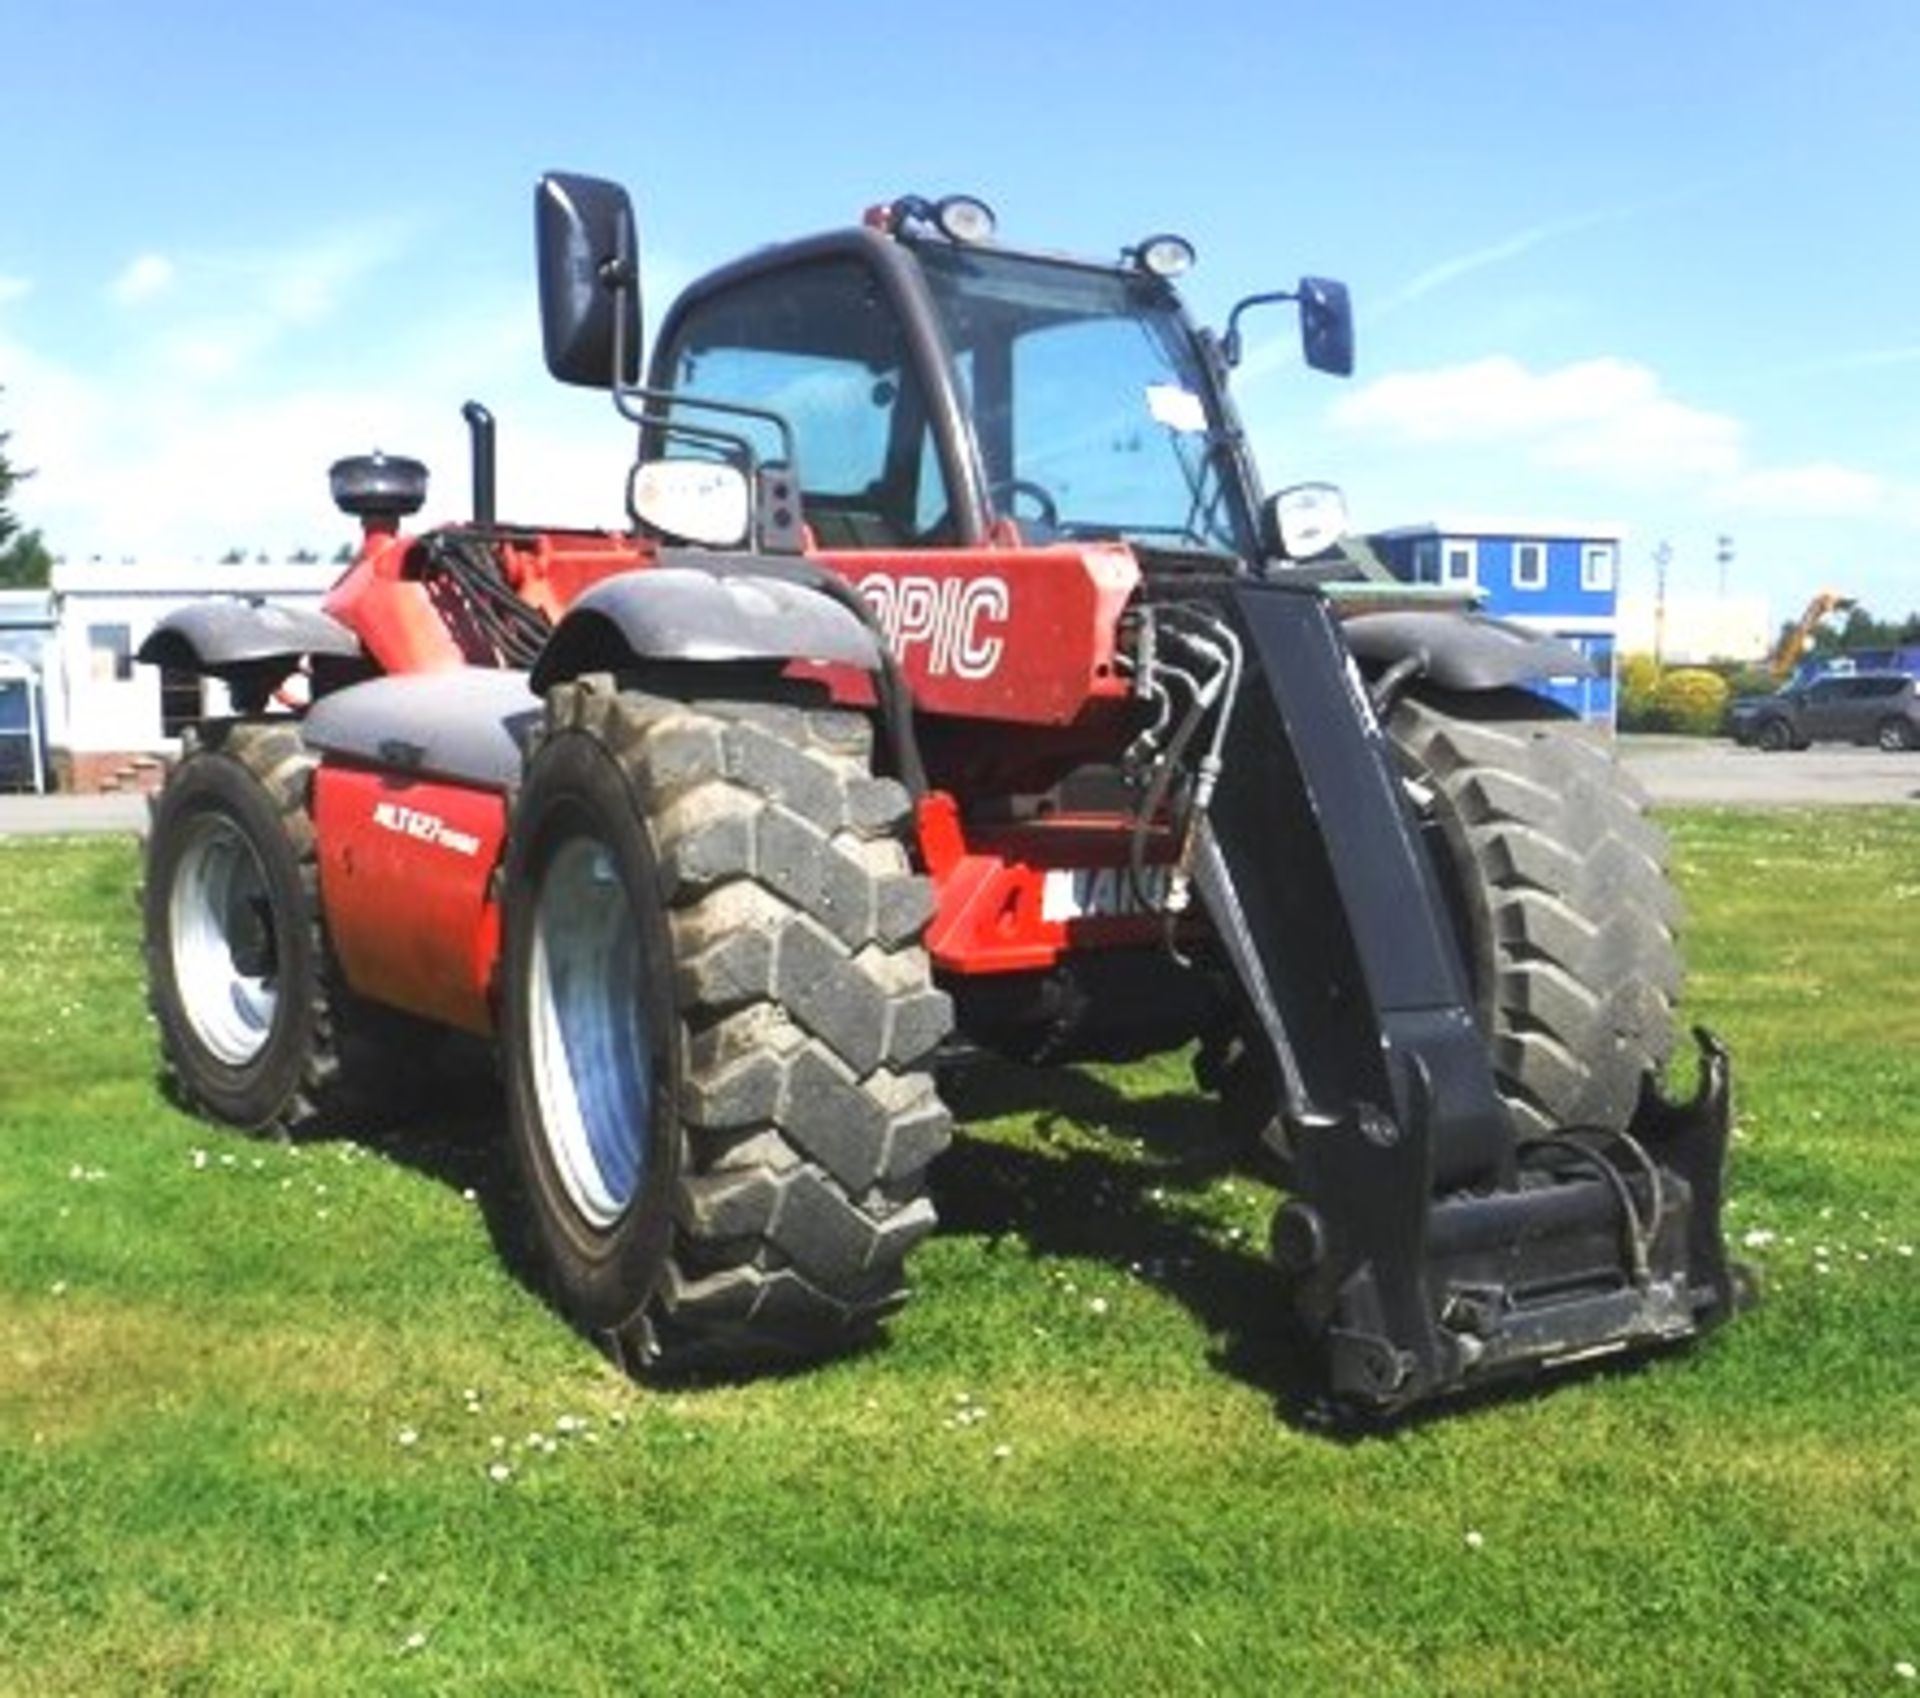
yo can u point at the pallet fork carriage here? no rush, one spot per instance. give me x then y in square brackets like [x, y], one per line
[954, 685]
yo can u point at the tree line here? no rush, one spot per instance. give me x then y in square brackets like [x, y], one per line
[24, 560]
[1859, 630]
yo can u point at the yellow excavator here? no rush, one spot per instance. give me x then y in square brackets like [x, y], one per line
[1795, 640]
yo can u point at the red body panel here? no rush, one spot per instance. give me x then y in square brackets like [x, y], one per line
[394, 618]
[1020, 636]
[1015, 898]
[409, 625]
[1023, 636]
[406, 873]
[550, 569]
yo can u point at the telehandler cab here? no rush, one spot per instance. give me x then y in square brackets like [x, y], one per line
[954, 686]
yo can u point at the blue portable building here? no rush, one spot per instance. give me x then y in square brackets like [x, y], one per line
[1561, 578]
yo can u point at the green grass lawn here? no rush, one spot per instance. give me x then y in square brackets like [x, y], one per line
[280, 1419]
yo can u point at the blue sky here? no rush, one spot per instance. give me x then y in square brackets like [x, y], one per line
[1654, 264]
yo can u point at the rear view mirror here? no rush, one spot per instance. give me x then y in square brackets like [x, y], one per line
[1326, 326]
[589, 264]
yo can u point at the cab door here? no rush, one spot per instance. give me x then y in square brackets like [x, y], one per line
[819, 342]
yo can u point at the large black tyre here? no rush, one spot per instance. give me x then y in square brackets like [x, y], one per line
[237, 969]
[717, 1023]
[1558, 885]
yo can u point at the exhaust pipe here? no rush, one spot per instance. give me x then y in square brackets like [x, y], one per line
[480, 430]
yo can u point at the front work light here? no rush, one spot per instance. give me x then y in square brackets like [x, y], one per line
[965, 218]
[1164, 256]
[960, 218]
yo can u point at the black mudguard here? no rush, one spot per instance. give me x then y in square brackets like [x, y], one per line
[470, 724]
[702, 613]
[1461, 650]
[244, 640]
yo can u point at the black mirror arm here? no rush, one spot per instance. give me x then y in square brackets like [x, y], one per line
[1230, 344]
[616, 276]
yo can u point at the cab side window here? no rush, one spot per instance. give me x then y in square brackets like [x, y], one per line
[820, 345]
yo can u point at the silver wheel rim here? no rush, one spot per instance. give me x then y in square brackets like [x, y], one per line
[592, 1072]
[225, 960]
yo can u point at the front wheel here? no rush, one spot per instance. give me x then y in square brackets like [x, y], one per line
[718, 1018]
[1894, 735]
[1775, 736]
[236, 964]
[1557, 883]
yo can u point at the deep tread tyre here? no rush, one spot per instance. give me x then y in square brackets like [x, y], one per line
[237, 970]
[1560, 893]
[718, 1019]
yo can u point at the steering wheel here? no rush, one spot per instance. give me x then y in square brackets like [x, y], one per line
[939, 533]
[1037, 493]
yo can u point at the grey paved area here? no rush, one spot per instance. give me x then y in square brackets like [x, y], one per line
[1685, 771]
[1677, 772]
[58, 816]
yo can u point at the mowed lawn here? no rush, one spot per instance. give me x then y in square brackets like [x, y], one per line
[282, 1419]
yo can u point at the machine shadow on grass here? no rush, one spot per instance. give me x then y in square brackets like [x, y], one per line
[435, 1108]
[445, 1118]
[1090, 1204]
[443, 1115]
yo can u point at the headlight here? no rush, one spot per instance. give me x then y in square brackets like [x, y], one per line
[1308, 519]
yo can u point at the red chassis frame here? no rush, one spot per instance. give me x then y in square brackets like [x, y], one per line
[1006, 636]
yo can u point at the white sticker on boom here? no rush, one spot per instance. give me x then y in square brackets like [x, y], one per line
[1176, 408]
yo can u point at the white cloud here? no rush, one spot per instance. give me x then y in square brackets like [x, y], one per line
[229, 310]
[182, 471]
[212, 350]
[1604, 415]
[305, 284]
[144, 278]
[1652, 440]
[215, 421]
[54, 417]
[1825, 490]
[1606, 430]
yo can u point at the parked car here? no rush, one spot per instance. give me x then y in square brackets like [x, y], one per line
[1861, 707]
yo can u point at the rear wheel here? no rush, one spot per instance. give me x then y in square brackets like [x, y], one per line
[1558, 886]
[717, 1023]
[235, 957]
[1894, 734]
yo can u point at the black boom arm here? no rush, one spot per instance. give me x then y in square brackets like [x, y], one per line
[1429, 1249]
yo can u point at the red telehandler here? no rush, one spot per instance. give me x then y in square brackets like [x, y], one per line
[954, 688]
